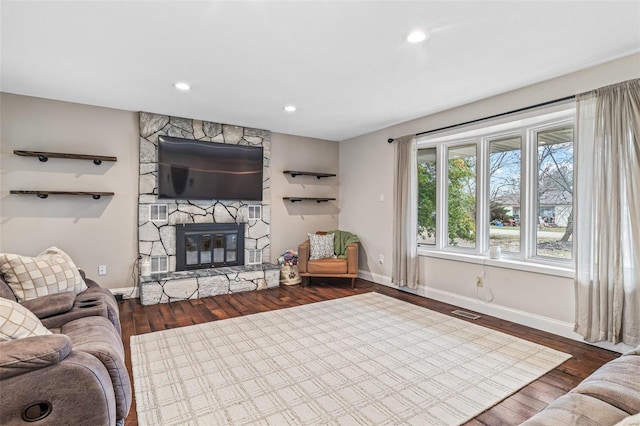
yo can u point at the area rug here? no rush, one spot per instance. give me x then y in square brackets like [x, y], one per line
[361, 360]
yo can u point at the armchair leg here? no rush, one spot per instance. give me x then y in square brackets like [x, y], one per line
[353, 283]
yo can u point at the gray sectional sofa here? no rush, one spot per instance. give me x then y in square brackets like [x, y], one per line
[76, 374]
[608, 396]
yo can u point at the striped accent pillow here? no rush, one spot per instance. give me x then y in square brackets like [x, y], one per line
[17, 322]
[51, 272]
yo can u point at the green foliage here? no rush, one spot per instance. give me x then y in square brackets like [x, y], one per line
[462, 200]
[427, 199]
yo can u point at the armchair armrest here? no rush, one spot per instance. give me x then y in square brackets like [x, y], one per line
[352, 258]
[52, 304]
[32, 353]
[303, 256]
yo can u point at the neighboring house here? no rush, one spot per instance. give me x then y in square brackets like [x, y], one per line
[554, 206]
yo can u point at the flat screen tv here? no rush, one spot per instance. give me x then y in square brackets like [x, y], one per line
[198, 170]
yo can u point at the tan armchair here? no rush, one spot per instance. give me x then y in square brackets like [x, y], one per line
[334, 268]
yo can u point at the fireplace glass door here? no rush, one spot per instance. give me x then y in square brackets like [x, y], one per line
[209, 246]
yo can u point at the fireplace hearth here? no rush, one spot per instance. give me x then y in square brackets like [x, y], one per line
[209, 245]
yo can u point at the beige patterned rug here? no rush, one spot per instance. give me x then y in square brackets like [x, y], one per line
[361, 360]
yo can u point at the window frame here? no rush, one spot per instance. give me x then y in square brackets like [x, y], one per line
[526, 126]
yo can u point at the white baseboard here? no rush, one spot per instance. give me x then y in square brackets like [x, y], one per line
[376, 278]
[129, 292]
[539, 322]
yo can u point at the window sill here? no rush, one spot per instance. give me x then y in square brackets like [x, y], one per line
[506, 263]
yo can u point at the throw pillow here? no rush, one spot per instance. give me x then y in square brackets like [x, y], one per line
[321, 246]
[51, 272]
[17, 322]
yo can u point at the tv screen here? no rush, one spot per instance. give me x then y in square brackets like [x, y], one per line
[199, 170]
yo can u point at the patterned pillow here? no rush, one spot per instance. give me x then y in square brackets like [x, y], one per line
[321, 246]
[51, 272]
[17, 322]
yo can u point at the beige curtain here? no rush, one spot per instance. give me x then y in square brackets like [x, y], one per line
[607, 236]
[405, 214]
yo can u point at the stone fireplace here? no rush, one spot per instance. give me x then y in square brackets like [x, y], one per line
[159, 221]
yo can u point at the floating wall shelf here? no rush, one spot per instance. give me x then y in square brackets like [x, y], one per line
[44, 156]
[295, 173]
[45, 194]
[316, 199]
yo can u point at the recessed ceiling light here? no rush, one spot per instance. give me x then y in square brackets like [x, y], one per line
[417, 36]
[182, 86]
[290, 108]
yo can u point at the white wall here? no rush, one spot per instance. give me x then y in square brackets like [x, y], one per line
[292, 221]
[93, 232]
[366, 171]
[105, 231]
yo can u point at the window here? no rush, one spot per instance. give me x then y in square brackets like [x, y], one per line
[254, 257]
[427, 196]
[555, 192]
[505, 169]
[507, 185]
[255, 211]
[158, 212]
[461, 196]
[159, 264]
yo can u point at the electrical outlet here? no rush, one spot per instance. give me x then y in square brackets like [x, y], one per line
[479, 281]
[381, 259]
[102, 270]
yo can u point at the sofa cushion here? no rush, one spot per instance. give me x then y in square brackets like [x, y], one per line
[615, 383]
[327, 266]
[630, 421]
[635, 351]
[577, 409]
[98, 337]
[33, 353]
[51, 272]
[52, 304]
[17, 322]
[321, 246]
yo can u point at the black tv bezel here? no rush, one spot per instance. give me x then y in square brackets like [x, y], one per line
[200, 142]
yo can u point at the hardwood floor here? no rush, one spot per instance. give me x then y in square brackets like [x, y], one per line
[137, 319]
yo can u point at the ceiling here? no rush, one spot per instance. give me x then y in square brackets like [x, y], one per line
[346, 65]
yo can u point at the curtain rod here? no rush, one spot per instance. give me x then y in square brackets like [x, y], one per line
[453, 126]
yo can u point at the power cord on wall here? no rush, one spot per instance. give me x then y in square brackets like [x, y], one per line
[483, 292]
[135, 276]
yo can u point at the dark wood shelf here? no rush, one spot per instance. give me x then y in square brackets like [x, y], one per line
[316, 199]
[45, 194]
[44, 156]
[295, 173]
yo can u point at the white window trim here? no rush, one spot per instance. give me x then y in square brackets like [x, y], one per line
[159, 259]
[161, 217]
[507, 263]
[481, 134]
[254, 212]
[256, 254]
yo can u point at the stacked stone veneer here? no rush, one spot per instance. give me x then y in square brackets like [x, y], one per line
[207, 282]
[159, 238]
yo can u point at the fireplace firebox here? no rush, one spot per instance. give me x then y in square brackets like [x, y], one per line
[209, 245]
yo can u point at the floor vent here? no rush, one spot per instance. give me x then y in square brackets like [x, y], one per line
[466, 314]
